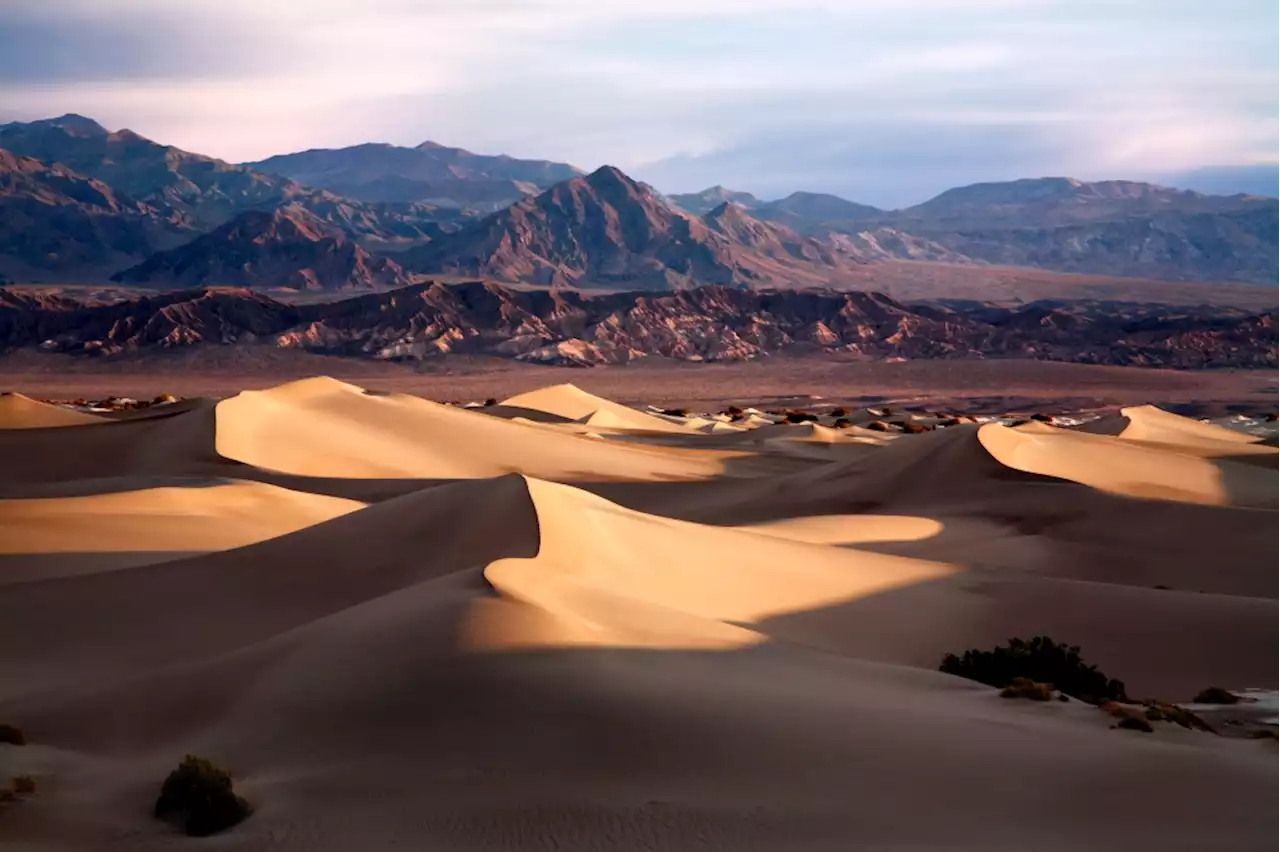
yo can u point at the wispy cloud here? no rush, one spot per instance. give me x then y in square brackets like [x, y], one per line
[885, 100]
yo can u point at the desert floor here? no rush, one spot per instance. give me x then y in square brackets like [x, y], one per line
[561, 622]
[993, 386]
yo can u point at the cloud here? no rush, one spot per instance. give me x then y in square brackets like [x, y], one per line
[896, 97]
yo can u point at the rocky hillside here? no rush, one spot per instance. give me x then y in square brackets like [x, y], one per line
[1120, 228]
[431, 173]
[605, 230]
[286, 247]
[55, 223]
[702, 324]
[196, 193]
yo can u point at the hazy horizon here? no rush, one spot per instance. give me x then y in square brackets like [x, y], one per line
[882, 103]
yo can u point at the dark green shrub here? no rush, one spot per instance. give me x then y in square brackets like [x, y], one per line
[200, 794]
[11, 735]
[1215, 695]
[1041, 660]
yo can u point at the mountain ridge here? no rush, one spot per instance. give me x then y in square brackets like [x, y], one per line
[710, 323]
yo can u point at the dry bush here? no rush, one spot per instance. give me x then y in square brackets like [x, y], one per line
[1021, 687]
[1215, 695]
[1159, 711]
[200, 795]
[1040, 660]
[12, 736]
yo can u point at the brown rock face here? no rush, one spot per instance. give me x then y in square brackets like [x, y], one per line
[711, 323]
[287, 247]
[54, 222]
[605, 230]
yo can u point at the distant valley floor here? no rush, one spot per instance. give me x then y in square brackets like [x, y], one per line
[974, 386]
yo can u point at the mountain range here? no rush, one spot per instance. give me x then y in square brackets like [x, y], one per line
[710, 323]
[82, 203]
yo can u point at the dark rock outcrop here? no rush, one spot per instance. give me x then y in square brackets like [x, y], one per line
[711, 323]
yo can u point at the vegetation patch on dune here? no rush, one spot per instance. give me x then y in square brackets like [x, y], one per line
[1039, 660]
[200, 795]
[9, 735]
[1021, 687]
[1216, 695]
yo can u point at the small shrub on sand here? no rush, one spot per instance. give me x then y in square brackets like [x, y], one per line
[878, 426]
[24, 785]
[732, 410]
[200, 794]
[11, 736]
[1020, 687]
[1040, 660]
[1159, 711]
[1135, 723]
[490, 402]
[1215, 695]
[676, 412]
[839, 411]
[801, 417]
[842, 423]
[913, 428]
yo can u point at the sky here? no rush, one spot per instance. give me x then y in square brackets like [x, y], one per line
[885, 102]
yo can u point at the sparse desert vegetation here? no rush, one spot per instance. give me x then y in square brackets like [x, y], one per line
[9, 735]
[1041, 660]
[201, 797]
[1216, 695]
[1021, 687]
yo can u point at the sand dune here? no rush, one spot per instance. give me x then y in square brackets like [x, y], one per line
[573, 403]
[130, 522]
[21, 412]
[322, 427]
[731, 644]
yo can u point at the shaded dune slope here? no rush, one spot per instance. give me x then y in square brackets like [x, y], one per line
[487, 658]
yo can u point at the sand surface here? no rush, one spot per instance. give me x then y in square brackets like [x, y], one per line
[564, 623]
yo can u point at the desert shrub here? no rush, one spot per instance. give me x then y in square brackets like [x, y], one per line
[801, 417]
[11, 735]
[913, 428]
[1020, 687]
[878, 426]
[1159, 711]
[676, 412]
[1135, 723]
[731, 410]
[1042, 418]
[839, 411]
[1040, 660]
[490, 402]
[201, 795]
[842, 423]
[24, 785]
[1215, 695]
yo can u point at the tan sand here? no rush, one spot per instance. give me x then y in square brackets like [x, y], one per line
[731, 644]
[322, 427]
[129, 522]
[21, 412]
